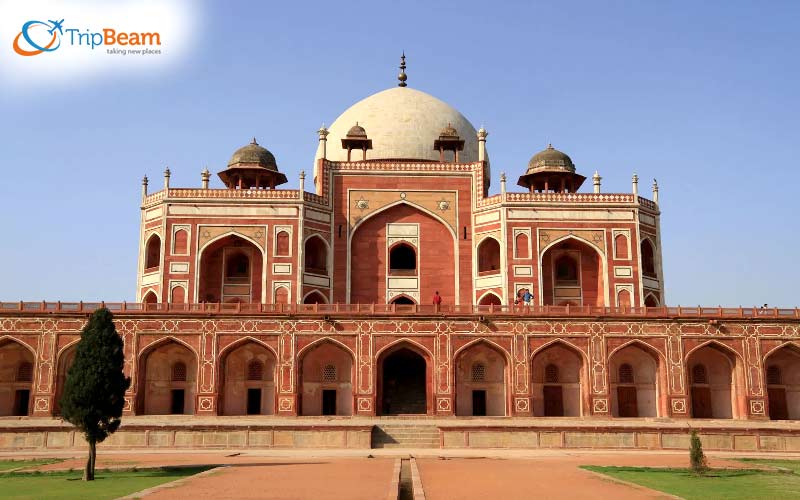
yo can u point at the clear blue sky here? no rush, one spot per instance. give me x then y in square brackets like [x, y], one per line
[701, 95]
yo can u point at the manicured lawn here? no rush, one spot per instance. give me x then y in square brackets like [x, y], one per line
[16, 464]
[727, 484]
[69, 485]
[793, 465]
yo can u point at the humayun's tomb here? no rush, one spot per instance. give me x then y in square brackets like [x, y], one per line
[306, 317]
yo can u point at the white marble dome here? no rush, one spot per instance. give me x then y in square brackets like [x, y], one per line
[402, 123]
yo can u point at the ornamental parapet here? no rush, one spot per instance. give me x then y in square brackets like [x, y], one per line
[400, 165]
[221, 194]
[482, 312]
[568, 198]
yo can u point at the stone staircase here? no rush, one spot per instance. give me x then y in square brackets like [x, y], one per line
[405, 436]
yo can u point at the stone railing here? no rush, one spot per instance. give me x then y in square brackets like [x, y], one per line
[331, 310]
[590, 198]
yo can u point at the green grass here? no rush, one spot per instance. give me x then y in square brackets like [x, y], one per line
[16, 464]
[792, 465]
[717, 483]
[107, 484]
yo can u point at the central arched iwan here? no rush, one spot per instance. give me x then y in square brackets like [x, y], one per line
[369, 262]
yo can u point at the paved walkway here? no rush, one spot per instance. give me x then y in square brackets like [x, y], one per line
[335, 479]
[445, 474]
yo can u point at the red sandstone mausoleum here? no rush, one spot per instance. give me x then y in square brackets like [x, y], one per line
[318, 301]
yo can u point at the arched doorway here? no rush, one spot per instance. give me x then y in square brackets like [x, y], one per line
[247, 380]
[782, 375]
[490, 299]
[167, 380]
[481, 381]
[152, 255]
[16, 378]
[557, 375]
[65, 360]
[403, 378]
[316, 256]
[712, 375]
[633, 375]
[326, 374]
[315, 297]
[231, 271]
[488, 256]
[572, 273]
[380, 268]
[403, 300]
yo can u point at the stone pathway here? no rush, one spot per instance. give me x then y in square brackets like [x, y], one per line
[349, 474]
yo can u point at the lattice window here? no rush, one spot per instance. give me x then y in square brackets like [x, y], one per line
[255, 370]
[551, 374]
[478, 372]
[25, 372]
[179, 372]
[699, 374]
[625, 374]
[329, 373]
[774, 375]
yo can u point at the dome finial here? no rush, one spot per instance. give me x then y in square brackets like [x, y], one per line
[254, 141]
[402, 77]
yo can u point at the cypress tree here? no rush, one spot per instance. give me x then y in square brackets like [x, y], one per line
[94, 391]
[696, 456]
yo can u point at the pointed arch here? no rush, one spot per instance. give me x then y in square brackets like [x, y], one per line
[150, 297]
[658, 355]
[152, 252]
[215, 239]
[447, 244]
[648, 257]
[10, 338]
[326, 377]
[157, 391]
[180, 242]
[242, 341]
[401, 296]
[487, 393]
[715, 343]
[408, 364]
[488, 254]
[790, 344]
[240, 394]
[565, 343]
[17, 377]
[486, 299]
[489, 343]
[402, 202]
[645, 394]
[650, 300]
[603, 263]
[319, 294]
[317, 252]
[316, 343]
[573, 237]
[214, 262]
[568, 394]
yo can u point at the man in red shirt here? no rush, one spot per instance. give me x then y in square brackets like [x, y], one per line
[437, 300]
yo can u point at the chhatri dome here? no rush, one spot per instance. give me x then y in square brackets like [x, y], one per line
[402, 123]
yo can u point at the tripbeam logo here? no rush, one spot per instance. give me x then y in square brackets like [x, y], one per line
[39, 37]
[36, 29]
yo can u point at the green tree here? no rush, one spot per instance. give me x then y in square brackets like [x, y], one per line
[696, 456]
[95, 387]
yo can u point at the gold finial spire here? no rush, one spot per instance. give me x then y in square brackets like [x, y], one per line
[402, 76]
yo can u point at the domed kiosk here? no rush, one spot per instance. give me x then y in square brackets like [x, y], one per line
[550, 170]
[252, 166]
